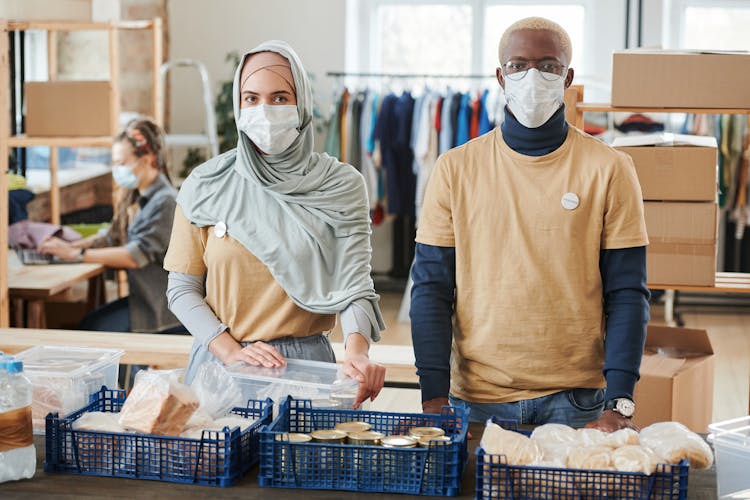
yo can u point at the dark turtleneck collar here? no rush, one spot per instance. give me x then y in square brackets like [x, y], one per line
[535, 141]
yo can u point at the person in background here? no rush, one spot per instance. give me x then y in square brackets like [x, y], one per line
[138, 237]
[272, 240]
[533, 235]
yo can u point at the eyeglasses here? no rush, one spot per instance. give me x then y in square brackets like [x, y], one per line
[548, 68]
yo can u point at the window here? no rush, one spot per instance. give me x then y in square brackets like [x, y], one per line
[424, 39]
[499, 17]
[461, 36]
[706, 24]
[722, 28]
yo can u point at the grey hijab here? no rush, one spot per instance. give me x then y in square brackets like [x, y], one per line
[304, 215]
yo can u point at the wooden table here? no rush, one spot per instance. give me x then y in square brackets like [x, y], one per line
[36, 284]
[701, 485]
[173, 351]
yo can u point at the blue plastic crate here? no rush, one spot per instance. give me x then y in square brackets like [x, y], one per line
[434, 471]
[217, 459]
[496, 479]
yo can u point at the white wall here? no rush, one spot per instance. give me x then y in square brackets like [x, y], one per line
[207, 31]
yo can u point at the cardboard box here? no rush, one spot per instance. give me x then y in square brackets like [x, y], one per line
[673, 167]
[682, 243]
[674, 79]
[677, 378]
[69, 109]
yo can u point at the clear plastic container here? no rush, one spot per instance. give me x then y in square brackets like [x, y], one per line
[731, 440]
[64, 377]
[301, 379]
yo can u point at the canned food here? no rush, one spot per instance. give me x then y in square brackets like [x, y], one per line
[399, 442]
[294, 437]
[332, 436]
[425, 441]
[352, 427]
[290, 457]
[420, 432]
[365, 438]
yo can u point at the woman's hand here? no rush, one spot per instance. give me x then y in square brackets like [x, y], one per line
[229, 351]
[60, 249]
[357, 365]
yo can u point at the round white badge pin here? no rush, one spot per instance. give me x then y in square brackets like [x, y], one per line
[570, 201]
[220, 229]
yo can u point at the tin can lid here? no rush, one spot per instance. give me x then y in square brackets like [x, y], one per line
[354, 426]
[399, 442]
[419, 432]
[366, 436]
[294, 437]
[328, 435]
[426, 441]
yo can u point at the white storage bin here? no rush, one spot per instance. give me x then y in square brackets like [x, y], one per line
[64, 377]
[731, 440]
[301, 379]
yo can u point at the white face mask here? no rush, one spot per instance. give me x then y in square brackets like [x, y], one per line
[124, 176]
[272, 128]
[534, 99]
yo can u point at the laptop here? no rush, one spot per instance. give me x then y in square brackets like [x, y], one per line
[31, 256]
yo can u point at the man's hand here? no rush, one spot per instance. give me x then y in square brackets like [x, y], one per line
[611, 421]
[60, 248]
[357, 365]
[434, 405]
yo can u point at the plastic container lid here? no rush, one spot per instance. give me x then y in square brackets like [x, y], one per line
[67, 361]
[733, 432]
[298, 371]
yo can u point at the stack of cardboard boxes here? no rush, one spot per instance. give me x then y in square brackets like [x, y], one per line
[677, 174]
[678, 179]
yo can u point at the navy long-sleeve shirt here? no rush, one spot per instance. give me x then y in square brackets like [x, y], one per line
[624, 292]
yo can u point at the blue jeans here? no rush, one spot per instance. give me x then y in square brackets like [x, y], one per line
[574, 407]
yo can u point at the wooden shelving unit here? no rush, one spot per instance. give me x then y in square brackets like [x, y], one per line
[7, 141]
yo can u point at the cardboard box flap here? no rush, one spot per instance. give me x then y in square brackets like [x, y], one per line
[657, 51]
[659, 366]
[687, 341]
[665, 139]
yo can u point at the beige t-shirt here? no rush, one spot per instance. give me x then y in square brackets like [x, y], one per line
[239, 288]
[529, 318]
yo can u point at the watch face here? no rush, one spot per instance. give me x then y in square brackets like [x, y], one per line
[625, 407]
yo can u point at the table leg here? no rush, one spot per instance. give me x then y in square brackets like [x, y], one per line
[18, 305]
[96, 292]
[35, 314]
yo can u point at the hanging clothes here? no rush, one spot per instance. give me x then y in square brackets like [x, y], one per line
[463, 121]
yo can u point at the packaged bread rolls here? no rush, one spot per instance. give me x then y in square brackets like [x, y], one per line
[158, 404]
[672, 442]
[590, 457]
[519, 449]
[621, 437]
[634, 458]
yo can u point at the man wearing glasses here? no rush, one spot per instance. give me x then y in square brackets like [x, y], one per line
[529, 299]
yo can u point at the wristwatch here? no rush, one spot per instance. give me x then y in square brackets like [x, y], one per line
[623, 406]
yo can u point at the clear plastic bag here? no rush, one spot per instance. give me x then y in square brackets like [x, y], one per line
[672, 441]
[216, 390]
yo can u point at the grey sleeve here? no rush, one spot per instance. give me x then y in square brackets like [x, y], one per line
[186, 299]
[148, 236]
[355, 320]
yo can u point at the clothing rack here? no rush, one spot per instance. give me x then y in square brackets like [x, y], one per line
[405, 75]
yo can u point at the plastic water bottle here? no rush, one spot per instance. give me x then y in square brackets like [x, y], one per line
[17, 451]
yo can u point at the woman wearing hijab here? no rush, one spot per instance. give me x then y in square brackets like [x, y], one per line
[280, 236]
